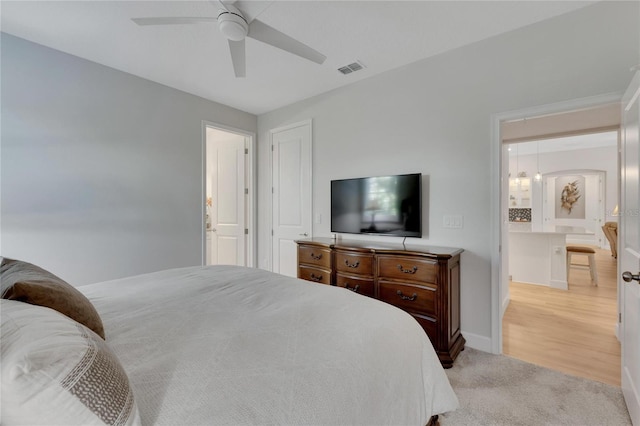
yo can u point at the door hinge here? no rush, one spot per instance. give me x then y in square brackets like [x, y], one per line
[620, 317]
[246, 191]
[271, 147]
[272, 190]
[246, 150]
[272, 232]
[246, 231]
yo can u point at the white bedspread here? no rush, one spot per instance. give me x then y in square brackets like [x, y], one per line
[232, 345]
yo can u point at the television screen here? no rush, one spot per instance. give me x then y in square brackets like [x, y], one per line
[383, 205]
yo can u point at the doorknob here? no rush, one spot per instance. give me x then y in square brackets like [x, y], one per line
[304, 235]
[213, 229]
[628, 277]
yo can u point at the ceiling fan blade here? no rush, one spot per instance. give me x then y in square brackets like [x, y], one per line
[172, 20]
[237, 57]
[260, 31]
[252, 9]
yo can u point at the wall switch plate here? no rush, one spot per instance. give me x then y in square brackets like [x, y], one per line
[452, 221]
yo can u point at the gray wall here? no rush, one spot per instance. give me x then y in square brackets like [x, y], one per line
[434, 117]
[101, 171]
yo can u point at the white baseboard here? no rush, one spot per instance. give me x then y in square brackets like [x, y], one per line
[559, 284]
[476, 341]
[505, 305]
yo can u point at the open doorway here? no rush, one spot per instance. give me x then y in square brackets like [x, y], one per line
[229, 197]
[561, 193]
[578, 117]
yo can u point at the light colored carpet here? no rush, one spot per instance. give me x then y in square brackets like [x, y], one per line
[498, 390]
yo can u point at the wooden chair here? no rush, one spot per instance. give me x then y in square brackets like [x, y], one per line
[610, 230]
[591, 257]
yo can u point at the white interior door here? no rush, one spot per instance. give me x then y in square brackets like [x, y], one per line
[292, 194]
[629, 253]
[226, 186]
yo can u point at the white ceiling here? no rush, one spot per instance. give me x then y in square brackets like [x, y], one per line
[194, 58]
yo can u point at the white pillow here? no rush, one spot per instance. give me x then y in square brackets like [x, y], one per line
[56, 371]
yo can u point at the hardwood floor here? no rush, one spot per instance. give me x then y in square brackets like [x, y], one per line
[571, 331]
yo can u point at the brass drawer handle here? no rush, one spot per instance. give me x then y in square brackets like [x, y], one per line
[354, 289]
[408, 271]
[351, 265]
[411, 298]
[316, 256]
[316, 278]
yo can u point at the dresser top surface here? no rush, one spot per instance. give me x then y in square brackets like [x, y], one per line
[382, 247]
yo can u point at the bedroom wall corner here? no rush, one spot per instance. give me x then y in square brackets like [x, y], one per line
[101, 171]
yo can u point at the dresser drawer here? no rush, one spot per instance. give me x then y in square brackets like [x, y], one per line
[316, 275]
[354, 263]
[356, 284]
[429, 325]
[412, 298]
[407, 269]
[312, 255]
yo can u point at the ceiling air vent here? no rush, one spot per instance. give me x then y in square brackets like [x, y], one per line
[348, 69]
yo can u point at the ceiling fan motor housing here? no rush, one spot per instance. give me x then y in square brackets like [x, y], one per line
[232, 24]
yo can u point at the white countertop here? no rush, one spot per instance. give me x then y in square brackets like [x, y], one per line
[577, 230]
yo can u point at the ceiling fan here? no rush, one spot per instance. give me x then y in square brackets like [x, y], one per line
[236, 21]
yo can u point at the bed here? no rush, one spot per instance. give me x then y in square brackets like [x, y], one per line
[234, 345]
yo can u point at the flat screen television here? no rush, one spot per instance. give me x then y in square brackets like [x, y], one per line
[381, 205]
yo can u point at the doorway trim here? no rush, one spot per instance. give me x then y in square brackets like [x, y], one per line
[251, 219]
[496, 182]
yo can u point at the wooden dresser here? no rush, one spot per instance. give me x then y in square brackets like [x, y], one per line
[422, 280]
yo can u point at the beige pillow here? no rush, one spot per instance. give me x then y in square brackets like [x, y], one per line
[55, 371]
[28, 283]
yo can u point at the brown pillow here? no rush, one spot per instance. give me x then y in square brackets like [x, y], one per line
[28, 283]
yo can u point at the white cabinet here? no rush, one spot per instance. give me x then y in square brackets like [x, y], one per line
[538, 258]
[520, 192]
